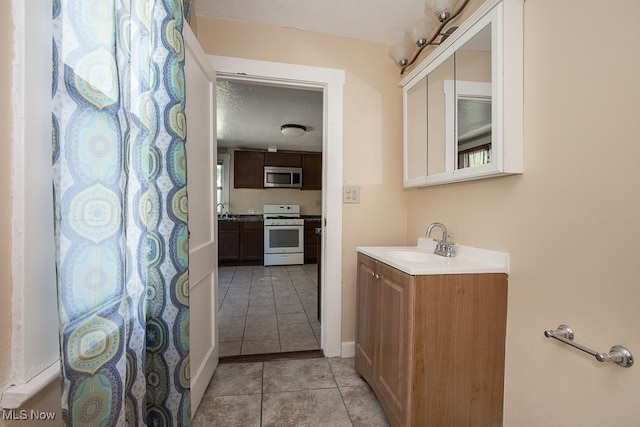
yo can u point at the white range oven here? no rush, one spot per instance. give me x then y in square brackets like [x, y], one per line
[283, 235]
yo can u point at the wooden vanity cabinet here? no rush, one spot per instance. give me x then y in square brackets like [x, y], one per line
[432, 347]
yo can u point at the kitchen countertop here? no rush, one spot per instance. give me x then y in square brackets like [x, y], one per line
[253, 217]
[240, 218]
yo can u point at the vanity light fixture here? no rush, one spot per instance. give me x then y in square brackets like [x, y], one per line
[293, 130]
[421, 33]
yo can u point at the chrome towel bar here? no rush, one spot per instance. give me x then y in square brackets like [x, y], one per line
[617, 354]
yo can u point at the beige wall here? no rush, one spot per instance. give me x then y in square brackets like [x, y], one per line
[372, 137]
[570, 223]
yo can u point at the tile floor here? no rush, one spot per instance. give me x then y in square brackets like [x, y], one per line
[268, 309]
[295, 392]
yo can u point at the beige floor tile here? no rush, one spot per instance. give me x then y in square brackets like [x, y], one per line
[231, 321]
[233, 333]
[261, 302]
[232, 311]
[283, 308]
[252, 311]
[344, 372]
[289, 318]
[299, 344]
[260, 332]
[236, 378]
[230, 348]
[298, 374]
[295, 330]
[363, 407]
[261, 347]
[313, 408]
[262, 320]
[230, 411]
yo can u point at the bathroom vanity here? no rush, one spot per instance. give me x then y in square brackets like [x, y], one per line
[430, 335]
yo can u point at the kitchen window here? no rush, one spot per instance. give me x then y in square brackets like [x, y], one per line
[222, 185]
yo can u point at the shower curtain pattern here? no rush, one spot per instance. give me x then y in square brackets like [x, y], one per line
[119, 165]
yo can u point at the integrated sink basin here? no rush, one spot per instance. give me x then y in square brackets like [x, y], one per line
[418, 256]
[420, 259]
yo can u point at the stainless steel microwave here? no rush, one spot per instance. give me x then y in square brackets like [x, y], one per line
[282, 177]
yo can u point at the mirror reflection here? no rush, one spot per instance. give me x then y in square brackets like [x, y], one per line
[471, 99]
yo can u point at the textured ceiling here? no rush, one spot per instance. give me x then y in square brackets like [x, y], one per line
[250, 115]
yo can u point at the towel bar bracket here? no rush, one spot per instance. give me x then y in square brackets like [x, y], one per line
[617, 354]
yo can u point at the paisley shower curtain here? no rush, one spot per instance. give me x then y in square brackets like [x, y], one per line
[119, 171]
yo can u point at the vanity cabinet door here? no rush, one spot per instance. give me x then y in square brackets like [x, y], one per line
[395, 326]
[367, 298]
[384, 328]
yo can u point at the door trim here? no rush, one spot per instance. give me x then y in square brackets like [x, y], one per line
[331, 81]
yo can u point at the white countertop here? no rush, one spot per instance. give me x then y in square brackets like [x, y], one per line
[420, 260]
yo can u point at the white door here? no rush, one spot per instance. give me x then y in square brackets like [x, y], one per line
[201, 190]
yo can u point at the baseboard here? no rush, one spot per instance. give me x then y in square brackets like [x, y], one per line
[348, 349]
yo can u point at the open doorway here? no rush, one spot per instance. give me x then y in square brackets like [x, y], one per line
[269, 184]
[330, 83]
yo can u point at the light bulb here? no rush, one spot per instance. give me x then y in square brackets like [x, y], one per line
[420, 31]
[442, 9]
[401, 52]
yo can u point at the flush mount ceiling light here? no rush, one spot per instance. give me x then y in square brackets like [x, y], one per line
[293, 130]
[421, 33]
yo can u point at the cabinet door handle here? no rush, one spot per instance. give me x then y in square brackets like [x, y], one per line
[375, 275]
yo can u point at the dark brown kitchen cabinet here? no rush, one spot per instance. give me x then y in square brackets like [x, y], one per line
[252, 241]
[312, 171]
[283, 158]
[310, 240]
[228, 241]
[240, 242]
[248, 169]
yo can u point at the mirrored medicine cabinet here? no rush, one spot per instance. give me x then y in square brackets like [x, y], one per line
[462, 106]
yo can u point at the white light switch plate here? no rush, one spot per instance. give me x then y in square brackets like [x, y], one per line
[351, 194]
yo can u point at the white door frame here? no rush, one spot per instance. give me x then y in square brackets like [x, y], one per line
[332, 82]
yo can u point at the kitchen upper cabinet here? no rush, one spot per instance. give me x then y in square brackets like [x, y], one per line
[463, 105]
[248, 169]
[283, 158]
[312, 171]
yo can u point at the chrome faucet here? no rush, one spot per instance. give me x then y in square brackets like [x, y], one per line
[443, 247]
